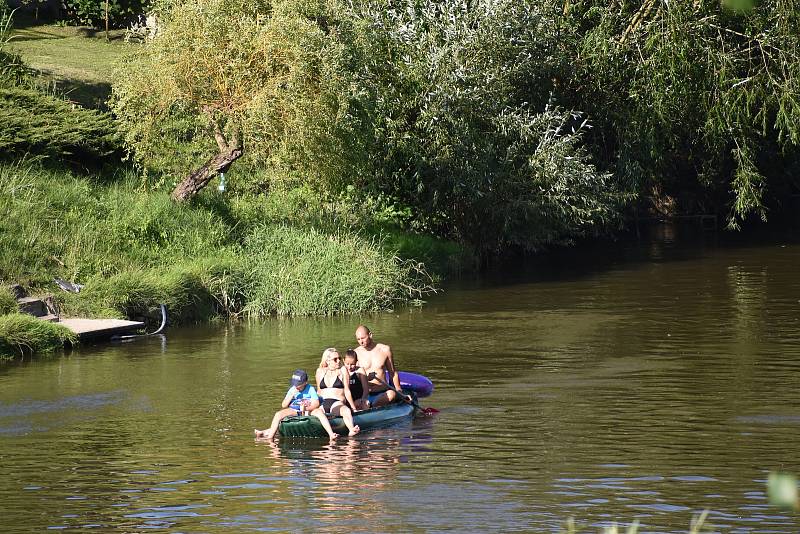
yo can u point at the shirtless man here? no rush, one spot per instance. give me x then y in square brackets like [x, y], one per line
[376, 360]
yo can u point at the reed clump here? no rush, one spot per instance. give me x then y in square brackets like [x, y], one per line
[22, 334]
[307, 272]
[8, 304]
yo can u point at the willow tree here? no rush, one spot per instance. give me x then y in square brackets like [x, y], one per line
[694, 101]
[225, 78]
[466, 132]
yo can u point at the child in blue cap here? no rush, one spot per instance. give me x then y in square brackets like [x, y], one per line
[301, 398]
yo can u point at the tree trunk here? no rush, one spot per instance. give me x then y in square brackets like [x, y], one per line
[228, 153]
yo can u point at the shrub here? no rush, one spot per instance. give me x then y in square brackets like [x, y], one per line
[465, 133]
[44, 125]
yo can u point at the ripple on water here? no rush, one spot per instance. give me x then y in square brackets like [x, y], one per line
[638, 389]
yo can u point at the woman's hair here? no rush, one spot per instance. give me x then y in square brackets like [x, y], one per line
[325, 355]
[351, 354]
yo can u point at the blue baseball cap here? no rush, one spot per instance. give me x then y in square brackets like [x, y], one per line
[298, 377]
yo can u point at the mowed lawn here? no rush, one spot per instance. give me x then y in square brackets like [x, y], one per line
[79, 61]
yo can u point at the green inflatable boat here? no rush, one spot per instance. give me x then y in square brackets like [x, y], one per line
[308, 426]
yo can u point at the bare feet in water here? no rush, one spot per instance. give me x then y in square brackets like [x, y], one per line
[356, 430]
[264, 434]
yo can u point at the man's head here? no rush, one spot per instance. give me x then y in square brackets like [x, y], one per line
[299, 379]
[363, 336]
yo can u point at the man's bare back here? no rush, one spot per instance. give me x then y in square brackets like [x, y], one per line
[376, 360]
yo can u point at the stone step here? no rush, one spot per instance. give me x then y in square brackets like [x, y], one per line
[18, 291]
[32, 306]
[101, 328]
[50, 318]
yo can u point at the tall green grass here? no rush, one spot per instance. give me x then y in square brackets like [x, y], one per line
[133, 249]
[54, 223]
[192, 292]
[356, 212]
[24, 334]
[8, 304]
[307, 272]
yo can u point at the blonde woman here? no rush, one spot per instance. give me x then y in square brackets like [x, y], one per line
[333, 386]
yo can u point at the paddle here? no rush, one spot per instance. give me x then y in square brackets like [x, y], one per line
[406, 398]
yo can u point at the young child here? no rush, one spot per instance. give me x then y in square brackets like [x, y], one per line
[301, 397]
[359, 387]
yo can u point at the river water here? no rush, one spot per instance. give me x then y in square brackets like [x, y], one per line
[642, 381]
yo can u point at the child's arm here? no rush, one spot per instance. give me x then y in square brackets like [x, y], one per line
[287, 400]
[344, 376]
[313, 399]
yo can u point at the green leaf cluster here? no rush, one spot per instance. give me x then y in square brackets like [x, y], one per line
[93, 12]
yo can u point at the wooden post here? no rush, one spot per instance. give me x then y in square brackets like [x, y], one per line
[107, 39]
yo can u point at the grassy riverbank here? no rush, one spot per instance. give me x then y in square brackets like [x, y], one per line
[223, 256]
[293, 250]
[132, 247]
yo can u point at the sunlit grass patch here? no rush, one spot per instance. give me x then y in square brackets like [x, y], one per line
[306, 272]
[54, 223]
[192, 292]
[24, 334]
[78, 61]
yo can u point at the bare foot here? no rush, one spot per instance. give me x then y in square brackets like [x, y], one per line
[258, 433]
[356, 430]
[333, 437]
[271, 433]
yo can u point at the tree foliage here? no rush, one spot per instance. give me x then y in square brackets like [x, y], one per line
[692, 99]
[250, 73]
[473, 117]
[459, 93]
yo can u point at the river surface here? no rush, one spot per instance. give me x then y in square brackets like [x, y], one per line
[642, 381]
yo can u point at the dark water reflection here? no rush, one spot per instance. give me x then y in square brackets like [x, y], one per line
[638, 381]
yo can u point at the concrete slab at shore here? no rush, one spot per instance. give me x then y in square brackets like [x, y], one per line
[99, 328]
